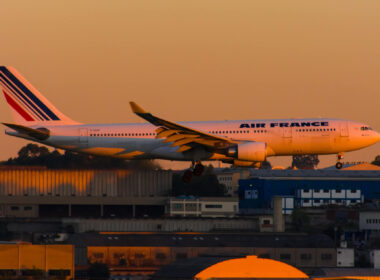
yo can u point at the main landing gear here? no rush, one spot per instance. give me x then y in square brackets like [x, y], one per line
[339, 165]
[196, 169]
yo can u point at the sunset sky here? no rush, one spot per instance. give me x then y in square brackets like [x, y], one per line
[198, 60]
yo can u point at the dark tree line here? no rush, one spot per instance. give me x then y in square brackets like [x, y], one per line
[376, 161]
[305, 161]
[35, 155]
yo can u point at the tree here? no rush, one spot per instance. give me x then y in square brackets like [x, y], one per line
[300, 219]
[34, 155]
[266, 165]
[204, 185]
[305, 161]
[377, 160]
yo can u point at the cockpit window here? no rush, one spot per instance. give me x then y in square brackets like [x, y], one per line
[366, 128]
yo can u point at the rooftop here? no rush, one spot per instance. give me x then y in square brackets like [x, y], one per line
[319, 173]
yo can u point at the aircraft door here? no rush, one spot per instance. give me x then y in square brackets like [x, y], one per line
[287, 132]
[83, 135]
[344, 129]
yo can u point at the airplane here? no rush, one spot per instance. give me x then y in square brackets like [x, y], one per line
[243, 143]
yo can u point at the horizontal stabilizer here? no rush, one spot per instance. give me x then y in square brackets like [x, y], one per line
[39, 133]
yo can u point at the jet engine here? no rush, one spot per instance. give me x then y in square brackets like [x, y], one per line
[249, 151]
[242, 163]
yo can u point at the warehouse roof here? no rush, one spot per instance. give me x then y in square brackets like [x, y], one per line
[267, 240]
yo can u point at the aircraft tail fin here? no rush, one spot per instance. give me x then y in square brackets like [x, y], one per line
[28, 105]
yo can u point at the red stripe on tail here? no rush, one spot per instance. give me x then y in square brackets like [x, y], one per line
[17, 107]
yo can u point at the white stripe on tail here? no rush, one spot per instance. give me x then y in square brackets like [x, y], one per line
[28, 105]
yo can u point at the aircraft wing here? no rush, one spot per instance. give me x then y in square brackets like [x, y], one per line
[181, 136]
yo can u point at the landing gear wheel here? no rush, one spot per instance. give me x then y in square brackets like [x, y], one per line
[198, 169]
[339, 165]
[187, 176]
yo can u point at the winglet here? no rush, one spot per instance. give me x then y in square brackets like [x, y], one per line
[136, 108]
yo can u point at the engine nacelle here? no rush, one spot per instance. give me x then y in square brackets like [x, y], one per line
[249, 151]
[242, 163]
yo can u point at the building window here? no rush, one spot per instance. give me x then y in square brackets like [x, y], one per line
[15, 208]
[306, 191]
[305, 256]
[98, 255]
[338, 191]
[59, 272]
[139, 255]
[306, 201]
[353, 191]
[317, 201]
[326, 257]
[285, 256]
[325, 191]
[27, 208]
[181, 256]
[160, 256]
[177, 206]
[264, 256]
[213, 206]
[266, 222]
[316, 191]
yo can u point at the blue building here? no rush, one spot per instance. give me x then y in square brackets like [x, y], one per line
[301, 188]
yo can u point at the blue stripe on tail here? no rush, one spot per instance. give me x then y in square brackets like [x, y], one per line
[28, 93]
[25, 100]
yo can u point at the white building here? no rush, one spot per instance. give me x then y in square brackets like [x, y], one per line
[231, 180]
[369, 220]
[375, 258]
[204, 207]
[287, 204]
[318, 197]
[345, 257]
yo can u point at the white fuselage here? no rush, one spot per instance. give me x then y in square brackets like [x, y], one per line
[282, 137]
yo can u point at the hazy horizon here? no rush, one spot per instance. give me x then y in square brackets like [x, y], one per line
[198, 60]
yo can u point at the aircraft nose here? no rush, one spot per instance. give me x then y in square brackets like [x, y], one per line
[377, 136]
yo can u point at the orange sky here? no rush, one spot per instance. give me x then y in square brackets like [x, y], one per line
[198, 60]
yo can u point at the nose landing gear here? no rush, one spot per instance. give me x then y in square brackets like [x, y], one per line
[196, 169]
[339, 165]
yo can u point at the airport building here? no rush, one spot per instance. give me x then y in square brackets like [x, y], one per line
[307, 188]
[136, 253]
[44, 193]
[230, 178]
[81, 225]
[184, 206]
[36, 261]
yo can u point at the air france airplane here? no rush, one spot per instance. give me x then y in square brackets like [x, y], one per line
[242, 143]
